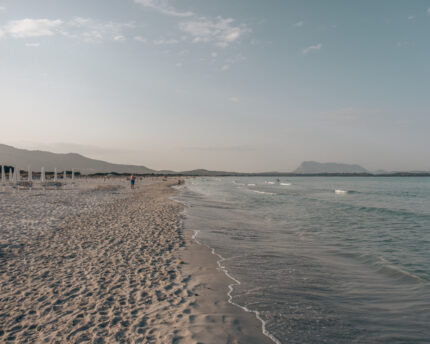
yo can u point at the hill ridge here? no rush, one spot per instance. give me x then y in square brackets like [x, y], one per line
[63, 161]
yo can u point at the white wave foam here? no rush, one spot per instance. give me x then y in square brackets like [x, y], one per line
[271, 183]
[231, 289]
[263, 192]
[286, 184]
[251, 184]
[340, 192]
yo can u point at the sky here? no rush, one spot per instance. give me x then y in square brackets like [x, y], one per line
[244, 85]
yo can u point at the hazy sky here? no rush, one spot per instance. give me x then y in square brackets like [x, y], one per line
[245, 85]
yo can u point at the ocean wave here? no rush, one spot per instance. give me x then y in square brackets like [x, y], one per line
[263, 192]
[251, 185]
[397, 272]
[285, 184]
[344, 192]
[341, 192]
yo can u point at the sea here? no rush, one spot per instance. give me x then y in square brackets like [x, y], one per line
[321, 259]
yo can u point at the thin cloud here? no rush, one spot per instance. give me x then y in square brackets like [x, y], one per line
[428, 11]
[32, 45]
[92, 31]
[299, 24]
[229, 62]
[140, 39]
[312, 48]
[85, 29]
[119, 38]
[222, 32]
[27, 27]
[411, 17]
[163, 7]
[3, 9]
[234, 99]
[219, 31]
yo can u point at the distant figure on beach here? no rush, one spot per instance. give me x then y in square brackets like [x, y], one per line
[132, 181]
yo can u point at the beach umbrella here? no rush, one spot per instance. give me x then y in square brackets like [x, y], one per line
[42, 176]
[73, 175]
[10, 175]
[30, 174]
[64, 177]
[14, 177]
[3, 176]
[55, 174]
[18, 174]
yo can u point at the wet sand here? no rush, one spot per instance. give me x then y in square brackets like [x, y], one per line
[99, 263]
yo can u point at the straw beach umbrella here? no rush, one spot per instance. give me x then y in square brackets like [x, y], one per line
[3, 176]
[42, 176]
[55, 174]
[30, 175]
[15, 176]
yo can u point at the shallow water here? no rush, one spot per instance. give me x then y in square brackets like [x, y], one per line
[323, 260]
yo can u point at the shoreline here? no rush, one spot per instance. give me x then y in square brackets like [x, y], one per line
[222, 321]
[99, 263]
[231, 286]
[214, 286]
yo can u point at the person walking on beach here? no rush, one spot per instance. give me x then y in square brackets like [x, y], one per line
[132, 181]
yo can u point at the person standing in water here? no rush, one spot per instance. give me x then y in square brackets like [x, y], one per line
[132, 181]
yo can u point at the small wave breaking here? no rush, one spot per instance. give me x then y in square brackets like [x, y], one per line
[341, 192]
[263, 192]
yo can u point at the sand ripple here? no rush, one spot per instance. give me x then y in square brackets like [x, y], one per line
[105, 274]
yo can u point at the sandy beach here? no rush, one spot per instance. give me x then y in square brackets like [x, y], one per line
[97, 262]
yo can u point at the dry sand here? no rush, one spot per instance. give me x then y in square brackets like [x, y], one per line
[98, 263]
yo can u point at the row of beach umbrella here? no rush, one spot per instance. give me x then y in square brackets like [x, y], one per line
[15, 176]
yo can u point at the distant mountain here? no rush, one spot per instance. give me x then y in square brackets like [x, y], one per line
[313, 167]
[23, 158]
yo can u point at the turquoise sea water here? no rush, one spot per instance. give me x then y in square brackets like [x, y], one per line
[323, 260]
